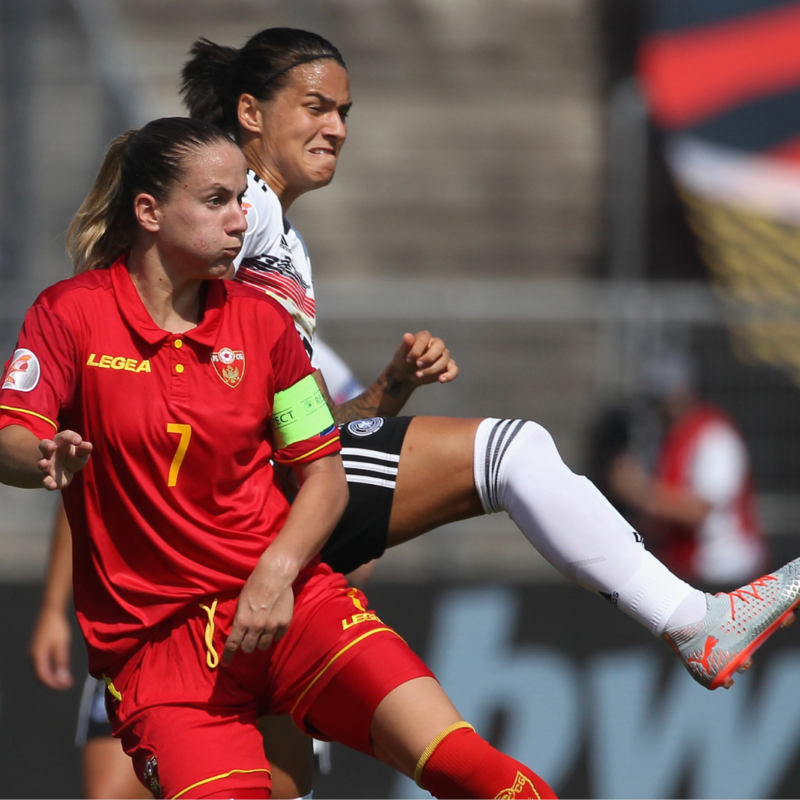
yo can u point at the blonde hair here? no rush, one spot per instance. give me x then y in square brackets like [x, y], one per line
[99, 233]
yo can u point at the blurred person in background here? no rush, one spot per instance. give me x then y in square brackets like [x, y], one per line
[697, 505]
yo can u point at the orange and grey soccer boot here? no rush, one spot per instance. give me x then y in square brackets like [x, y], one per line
[736, 625]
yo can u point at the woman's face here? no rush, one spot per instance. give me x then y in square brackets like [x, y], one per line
[302, 129]
[200, 226]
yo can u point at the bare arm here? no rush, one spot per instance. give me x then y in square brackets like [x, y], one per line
[420, 359]
[28, 463]
[266, 603]
[19, 457]
[651, 496]
[52, 635]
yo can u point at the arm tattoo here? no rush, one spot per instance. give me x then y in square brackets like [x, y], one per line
[357, 408]
[392, 388]
[371, 402]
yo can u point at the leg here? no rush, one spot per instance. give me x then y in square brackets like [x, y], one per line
[452, 469]
[415, 729]
[291, 757]
[362, 666]
[518, 469]
[406, 476]
[399, 733]
[442, 752]
[108, 771]
[435, 483]
[191, 729]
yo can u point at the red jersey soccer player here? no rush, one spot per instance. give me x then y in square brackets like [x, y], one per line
[169, 394]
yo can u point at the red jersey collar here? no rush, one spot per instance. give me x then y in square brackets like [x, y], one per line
[136, 315]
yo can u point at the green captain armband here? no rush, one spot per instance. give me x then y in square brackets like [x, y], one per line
[299, 412]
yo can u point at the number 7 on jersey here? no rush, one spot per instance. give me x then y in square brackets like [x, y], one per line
[185, 432]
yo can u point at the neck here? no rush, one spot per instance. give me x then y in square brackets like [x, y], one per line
[173, 304]
[255, 161]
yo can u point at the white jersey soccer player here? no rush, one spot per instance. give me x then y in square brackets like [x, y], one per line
[274, 257]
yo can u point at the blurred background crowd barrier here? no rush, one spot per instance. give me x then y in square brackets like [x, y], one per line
[556, 187]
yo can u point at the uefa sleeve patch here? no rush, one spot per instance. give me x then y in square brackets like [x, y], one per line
[299, 412]
[23, 373]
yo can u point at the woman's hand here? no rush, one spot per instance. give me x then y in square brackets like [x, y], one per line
[423, 358]
[266, 603]
[62, 456]
[420, 359]
[49, 650]
[265, 609]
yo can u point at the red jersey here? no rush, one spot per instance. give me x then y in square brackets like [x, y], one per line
[178, 499]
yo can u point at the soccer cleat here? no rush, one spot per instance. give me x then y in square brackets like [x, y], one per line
[736, 625]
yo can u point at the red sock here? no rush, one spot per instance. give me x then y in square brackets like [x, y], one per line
[458, 763]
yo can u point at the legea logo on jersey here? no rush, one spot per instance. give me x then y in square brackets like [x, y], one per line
[229, 365]
[23, 373]
[105, 361]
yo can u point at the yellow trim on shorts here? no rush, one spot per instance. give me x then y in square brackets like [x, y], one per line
[309, 453]
[32, 413]
[428, 752]
[340, 653]
[212, 659]
[115, 693]
[219, 777]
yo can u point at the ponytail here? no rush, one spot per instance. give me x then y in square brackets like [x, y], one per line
[203, 81]
[102, 230]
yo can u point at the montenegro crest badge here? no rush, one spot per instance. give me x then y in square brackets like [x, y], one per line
[229, 365]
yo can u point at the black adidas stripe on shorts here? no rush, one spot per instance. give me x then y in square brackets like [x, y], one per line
[371, 455]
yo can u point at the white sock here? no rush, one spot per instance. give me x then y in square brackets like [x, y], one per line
[564, 516]
[691, 610]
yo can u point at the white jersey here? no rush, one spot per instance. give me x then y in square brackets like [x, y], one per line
[274, 258]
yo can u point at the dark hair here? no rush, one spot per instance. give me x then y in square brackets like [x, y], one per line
[149, 160]
[215, 77]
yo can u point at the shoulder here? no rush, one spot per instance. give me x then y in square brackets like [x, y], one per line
[74, 290]
[241, 296]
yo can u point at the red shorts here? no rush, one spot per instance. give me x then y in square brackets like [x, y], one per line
[191, 729]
